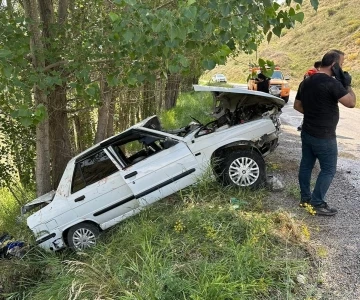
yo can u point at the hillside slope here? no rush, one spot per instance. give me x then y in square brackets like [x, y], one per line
[334, 26]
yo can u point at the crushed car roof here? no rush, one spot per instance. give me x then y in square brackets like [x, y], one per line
[230, 92]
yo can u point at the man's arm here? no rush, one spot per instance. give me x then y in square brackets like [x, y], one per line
[298, 106]
[349, 100]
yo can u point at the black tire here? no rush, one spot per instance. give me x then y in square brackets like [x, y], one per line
[82, 236]
[286, 99]
[244, 168]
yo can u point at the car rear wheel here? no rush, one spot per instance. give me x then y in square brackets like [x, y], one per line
[244, 168]
[82, 236]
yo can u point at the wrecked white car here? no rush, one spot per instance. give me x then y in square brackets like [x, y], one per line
[120, 176]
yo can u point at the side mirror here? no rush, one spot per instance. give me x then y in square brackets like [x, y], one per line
[287, 77]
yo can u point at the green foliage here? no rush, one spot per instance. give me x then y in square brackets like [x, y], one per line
[193, 104]
[17, 151]
[10, 211]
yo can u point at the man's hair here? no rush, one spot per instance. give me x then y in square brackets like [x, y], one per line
[330, 57]
[317, 64]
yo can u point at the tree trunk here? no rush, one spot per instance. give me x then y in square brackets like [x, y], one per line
[42, 173]
[149, 103]
[103, 111]
[187, 83]
[59, 134]
[110, 125]
[172, 90]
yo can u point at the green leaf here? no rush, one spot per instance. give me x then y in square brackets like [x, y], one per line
[130, 2]
[172, 33]
[298, 1]
[253, 46]
[224, 23]
[114, 17]
[298, 17]
[26, 121]
[209, 64]
[291, 11]
[190, 12]
[276, 6]
[266, 27]
[174, 69]
[184, 61]
[7, 71]
[277, 31]
[132, 80]
[5, 53]
[112, 80]
[269, 36]
[91, 91]
[128, 35]
[315, 4]
[190, 2]
[156, 26]
[225, 9]
[262, 63]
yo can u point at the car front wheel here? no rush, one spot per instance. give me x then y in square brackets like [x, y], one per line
[244, 168]
[82, 236]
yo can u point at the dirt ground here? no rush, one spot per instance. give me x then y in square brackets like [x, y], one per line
[337, 238]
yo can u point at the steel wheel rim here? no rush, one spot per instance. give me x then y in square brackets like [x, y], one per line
[83, 238]
[244, 171]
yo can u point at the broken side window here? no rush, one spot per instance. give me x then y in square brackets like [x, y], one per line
[92, 169]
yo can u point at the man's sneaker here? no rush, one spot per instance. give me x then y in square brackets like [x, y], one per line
[303, 202]
[324, 210]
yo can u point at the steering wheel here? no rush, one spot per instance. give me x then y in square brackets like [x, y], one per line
[197, 121]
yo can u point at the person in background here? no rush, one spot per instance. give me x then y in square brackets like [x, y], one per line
[309, 73]
[262, 83]
[313, 70]
[317, 98]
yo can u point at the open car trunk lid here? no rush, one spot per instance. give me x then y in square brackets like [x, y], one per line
[242, 96]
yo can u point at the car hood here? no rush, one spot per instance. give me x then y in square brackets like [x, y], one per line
[243, 96]
[40, 201]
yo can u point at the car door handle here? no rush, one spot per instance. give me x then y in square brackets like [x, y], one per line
[130, 175]
[81, 198]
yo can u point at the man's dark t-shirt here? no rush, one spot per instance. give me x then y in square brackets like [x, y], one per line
[319, 95]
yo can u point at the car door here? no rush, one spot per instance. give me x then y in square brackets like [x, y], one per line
[162, 173]
[98, 190]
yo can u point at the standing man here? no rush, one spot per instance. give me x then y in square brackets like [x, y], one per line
[317, 99]
[262, 83]
[309, 73]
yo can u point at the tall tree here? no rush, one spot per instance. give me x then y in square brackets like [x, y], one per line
[129, 42]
